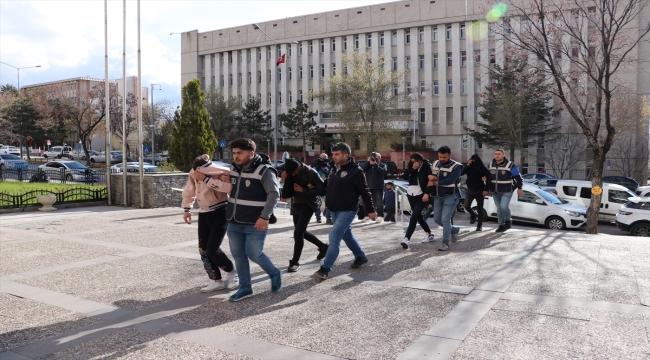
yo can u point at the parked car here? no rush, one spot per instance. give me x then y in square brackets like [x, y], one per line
[634, 216]
[116, 157]
[643, 191]
[579, 193]
[58, 152]
[6, 149]
[133, 166]
[536, 176]
[68, 170]
[79, 154]
[546, 184]
[538, 206]
[400, 190]
[158, 159]
[623, 181]
[11, 161]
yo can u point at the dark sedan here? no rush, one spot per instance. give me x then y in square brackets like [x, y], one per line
[623, 181]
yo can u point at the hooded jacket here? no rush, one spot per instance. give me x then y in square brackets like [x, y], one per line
[211, 193]
[345, 185]
[474, 174]
[304, 178]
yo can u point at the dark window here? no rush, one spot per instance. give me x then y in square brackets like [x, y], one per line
[585, 193]
[570, 190]
[618, 196]
[528, 197]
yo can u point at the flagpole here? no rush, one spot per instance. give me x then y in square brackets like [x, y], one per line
[107, 105]
[139, 90]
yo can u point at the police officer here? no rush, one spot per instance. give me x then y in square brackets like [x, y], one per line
[443, 187]
[505, 177]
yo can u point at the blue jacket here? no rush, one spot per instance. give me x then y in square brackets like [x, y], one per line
[389, 200]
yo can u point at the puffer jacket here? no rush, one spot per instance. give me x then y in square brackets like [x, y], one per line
[211, 193]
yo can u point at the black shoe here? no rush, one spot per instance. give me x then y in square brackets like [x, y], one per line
[472, 219]
[358, 262]
[508, 225]
[329, 222]
[322, 274]
[322, 252]
[318, 219]
[293, 266]
[479, 227]
[501, 229]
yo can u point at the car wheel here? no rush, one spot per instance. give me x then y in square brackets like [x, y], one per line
[92, 160]
[157, 163]
[83, 158]
[642, 230]
[45, 156]
[70, 157]
[68, 177]
[485, 215]
[461, 206]
[555, 223]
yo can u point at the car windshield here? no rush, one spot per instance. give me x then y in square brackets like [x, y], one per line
[550, 197]
[75, 165]
[9, 157]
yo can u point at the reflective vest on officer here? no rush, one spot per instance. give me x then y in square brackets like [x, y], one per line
[501, 176]
[443, 172]
[248, 196]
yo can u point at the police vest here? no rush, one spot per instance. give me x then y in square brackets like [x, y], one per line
[248, 196]
[443, 172]
[501, 177]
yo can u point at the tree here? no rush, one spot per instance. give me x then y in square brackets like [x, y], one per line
[191, 133]
[363, 94]
[223, 112]
[9, 89]
[515, 109]
[584, 47]
[7, 134]
[164, 119]
[22, 116]
[130, 126]
[564, 152]
[300, 124]
[252, 122]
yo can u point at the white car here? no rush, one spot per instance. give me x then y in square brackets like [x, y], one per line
[6, 149]
[133, 166]
[634, 216]
[58, 152]
[68, 170]
[538, 206]
[79, 154]
[643, 191]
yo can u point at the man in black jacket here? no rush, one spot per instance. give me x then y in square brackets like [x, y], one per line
[375, 174]
[478, 176]
[345, 183]
[304, 185]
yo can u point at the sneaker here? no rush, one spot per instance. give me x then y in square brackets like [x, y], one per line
[322, 274]
[322, 252]
[276, 282]
[358, 262]
[241, 294]
[472, 219]
[329, 222]
[318, 219]
[454, 236]
[508, 225]
[232, 280]
[429, 238]
[293, 267]
[444, 247]
[365, 219]
[405, 243]
[479, 227]
[379, 219]
[213, 286]
[500, 229]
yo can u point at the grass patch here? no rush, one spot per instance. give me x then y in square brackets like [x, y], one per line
[16, 187]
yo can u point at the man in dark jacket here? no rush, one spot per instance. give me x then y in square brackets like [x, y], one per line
[304, 185]
[389, 197]
[417, 172]
[477, 188]
[346, 182]
[504, 177]
[444, 189]
[375, 174]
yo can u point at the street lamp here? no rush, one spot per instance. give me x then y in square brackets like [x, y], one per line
[153, 125]
[275, 105]
[18, 68]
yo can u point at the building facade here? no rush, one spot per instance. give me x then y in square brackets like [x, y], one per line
[445, 58]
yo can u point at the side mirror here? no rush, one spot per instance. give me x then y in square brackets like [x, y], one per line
[540, 201]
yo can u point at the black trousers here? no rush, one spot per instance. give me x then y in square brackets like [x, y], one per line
[417, 205]
[390, 215]
[212, 230]
[302, 213]
[470, 196]
[378, 200]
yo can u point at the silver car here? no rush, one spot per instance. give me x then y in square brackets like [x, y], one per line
[116, 157]
[68, 170]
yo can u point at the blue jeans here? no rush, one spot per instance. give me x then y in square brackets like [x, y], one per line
[341, 230]
[502, 201]
[318, 211]
[443, 211]
[246, 242]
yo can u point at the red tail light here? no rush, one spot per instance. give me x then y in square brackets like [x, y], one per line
[555, 192]
[112, 156]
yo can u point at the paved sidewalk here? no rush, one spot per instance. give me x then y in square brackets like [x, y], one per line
[109, 282]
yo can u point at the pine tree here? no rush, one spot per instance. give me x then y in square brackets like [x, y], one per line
[191, 133]
[22, 115]
[252, 123]
[300, 124]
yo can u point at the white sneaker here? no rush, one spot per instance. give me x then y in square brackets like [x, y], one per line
[214, 285]
[379, 219]
[405, 243]
[365, 219]
[444, 247]
[232, 280]
[429, 238]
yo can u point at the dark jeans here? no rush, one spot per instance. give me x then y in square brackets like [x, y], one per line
[470, 196]
[301, 215]
[378, 200]
[390, 215]
[417, 205]
[212, 229]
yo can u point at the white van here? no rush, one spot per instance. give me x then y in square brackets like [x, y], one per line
[579, 192]
[58, 152]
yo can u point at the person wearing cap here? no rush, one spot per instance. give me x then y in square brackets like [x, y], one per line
[389, 202]
[303, 184]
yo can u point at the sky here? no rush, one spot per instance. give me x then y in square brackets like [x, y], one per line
[66, 38]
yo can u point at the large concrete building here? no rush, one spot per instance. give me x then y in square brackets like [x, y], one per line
[446, 65]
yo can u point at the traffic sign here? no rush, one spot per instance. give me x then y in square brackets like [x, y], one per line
[222, 144]
[49, 142]
[146, 148]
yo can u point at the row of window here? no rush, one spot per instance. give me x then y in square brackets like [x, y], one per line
[449, 111]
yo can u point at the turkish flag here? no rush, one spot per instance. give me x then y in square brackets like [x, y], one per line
[280, 60]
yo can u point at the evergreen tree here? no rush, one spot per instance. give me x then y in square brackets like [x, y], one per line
[300, 124]
[22, 115]
[191, 133]
[252, 122]
[9, 89]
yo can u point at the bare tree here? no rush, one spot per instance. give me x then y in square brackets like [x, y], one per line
[130, 126]
[565, 152]
[586, 48]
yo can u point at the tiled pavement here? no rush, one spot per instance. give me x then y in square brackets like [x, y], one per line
[107, 282]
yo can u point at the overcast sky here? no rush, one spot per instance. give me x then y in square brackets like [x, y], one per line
[67, 37]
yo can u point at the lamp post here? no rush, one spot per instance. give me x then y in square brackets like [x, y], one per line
[153, 125]
[18, 69]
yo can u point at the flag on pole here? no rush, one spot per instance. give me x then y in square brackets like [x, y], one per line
[280, 60]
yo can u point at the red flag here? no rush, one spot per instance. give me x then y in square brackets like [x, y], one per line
[280, 60]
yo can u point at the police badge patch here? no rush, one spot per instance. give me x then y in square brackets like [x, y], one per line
[493, 171]
[503, 172]
[444, 173]
[248, 183]
[233, 181]
[344, 173]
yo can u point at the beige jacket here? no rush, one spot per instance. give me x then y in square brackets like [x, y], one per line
[211, 193]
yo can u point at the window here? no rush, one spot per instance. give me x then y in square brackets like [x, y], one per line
[585, 193]
[463, 114]
[407, 63]
[289, 50]
[422, 115]
[311, 71]
[527, 197]
[268, 52]
[222, 81]
[407, 37]
[289, 73]
[311, 47]
[435, 61]
[333, 45]
[462, 31]
[270, 99]
[618, 196]
[214, 61]
[477, 86]
[239, 57]
[299, 72]
[435, 115]
[268, 75]
[422, 88]
[492, 57]
[290, 97]
[463, 58]
[322, 46]
[278, 51]
[476, 32]
[300, 49]
[448, 32]
[213, 82]
[259, 97]
[259, 77]
[259, 55]
[279, 97]
[230, 57]
[333, 72]
[450, 115]
[394, 41]
[230, 79]
[250, 77]
[436, 87]
[381, 40]
[222, 59]
[423, 141]
[322, 70]
[250, 55]
[356, 41]
[463, 86]
[279, 75]
[345, 43]
[408, 87]
[450, 86]
[300, 95]
[571, 190]
[369, 40]
[477, 56]
[449, 59]
[421, 35]
[434, 33]
[394, 64]
[575, 53]
[421, 65]
[395, 90]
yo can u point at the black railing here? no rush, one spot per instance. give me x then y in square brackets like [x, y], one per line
[58, 176]
[74, 195]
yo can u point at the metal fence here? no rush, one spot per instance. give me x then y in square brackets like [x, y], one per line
[57, 176]
[74, 195]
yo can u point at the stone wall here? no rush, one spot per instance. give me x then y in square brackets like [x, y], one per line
[157, 190]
